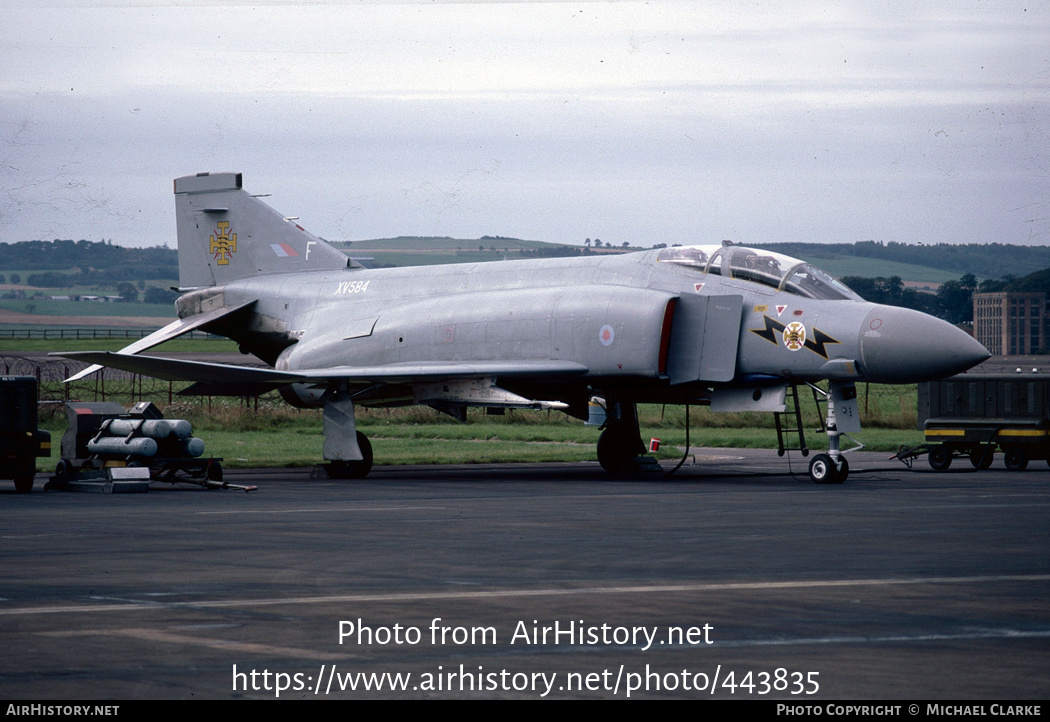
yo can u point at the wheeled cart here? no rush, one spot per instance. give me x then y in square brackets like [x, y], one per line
[104, 436]
[977, 415]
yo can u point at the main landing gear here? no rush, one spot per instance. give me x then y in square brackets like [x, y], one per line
[347, 449]
[620, 447]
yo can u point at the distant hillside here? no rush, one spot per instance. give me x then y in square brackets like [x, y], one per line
[442, 243]
[992, 260]
[429, 251]
[932, 265]
[90, 263]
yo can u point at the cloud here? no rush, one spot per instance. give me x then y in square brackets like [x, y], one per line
[558, 121]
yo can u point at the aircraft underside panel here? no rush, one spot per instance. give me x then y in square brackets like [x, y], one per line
[704, 338]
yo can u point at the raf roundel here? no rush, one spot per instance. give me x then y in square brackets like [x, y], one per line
[606, 335]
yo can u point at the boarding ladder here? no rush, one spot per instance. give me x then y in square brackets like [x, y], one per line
[789, 421]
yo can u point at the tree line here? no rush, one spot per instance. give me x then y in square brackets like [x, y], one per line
[954, 299]
[94, 262]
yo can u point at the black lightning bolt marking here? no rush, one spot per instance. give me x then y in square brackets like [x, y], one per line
[768, 333]
[816, 344]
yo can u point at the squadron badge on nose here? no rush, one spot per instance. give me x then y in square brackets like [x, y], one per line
[794, 336]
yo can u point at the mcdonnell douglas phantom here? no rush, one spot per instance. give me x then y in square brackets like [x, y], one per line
[726, 325]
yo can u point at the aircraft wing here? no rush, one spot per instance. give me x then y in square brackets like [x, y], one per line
[172, 330]
[207, 372]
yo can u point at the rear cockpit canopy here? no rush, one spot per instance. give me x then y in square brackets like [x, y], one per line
[775, 270]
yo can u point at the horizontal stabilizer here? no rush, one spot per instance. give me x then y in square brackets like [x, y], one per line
[172, 330]
[180, 370]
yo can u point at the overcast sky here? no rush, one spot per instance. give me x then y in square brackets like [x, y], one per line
[663, 122]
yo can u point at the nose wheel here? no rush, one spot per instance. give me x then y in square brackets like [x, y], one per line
[825, 470]
[842, 418]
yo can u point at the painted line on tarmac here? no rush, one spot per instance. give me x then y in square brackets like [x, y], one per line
[523, 593]
[321, 509]
[156, 635]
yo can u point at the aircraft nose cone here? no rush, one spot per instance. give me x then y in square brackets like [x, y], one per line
[898, 345]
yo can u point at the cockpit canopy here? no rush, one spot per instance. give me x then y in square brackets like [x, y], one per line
[775, 270]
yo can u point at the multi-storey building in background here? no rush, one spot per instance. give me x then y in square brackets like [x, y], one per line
[1010, 323]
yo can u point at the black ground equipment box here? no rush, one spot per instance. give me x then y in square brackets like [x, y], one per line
[20, 440]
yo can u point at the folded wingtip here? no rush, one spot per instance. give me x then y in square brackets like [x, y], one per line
[81, 374]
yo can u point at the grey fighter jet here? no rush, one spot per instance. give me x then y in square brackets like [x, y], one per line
[725, 325]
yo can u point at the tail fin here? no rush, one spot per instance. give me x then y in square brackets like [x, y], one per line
[226, 234]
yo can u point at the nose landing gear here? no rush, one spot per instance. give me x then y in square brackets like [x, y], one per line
[842, 417]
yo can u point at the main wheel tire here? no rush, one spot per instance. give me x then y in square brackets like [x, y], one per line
[354, 469]
[822, 470]
[614, 452]
[940, 457]
[1015, 459]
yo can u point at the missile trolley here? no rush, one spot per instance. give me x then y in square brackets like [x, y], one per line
[104, 436]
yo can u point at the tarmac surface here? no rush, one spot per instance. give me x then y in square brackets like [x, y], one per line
[732, 579]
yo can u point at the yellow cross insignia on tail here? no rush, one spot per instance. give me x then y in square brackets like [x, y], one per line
[223, 244]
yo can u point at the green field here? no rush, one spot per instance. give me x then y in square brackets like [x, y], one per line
[268, 432]
[39, 345]
[48, 307]
[271, 433]
[275, 435]
[875, 268]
